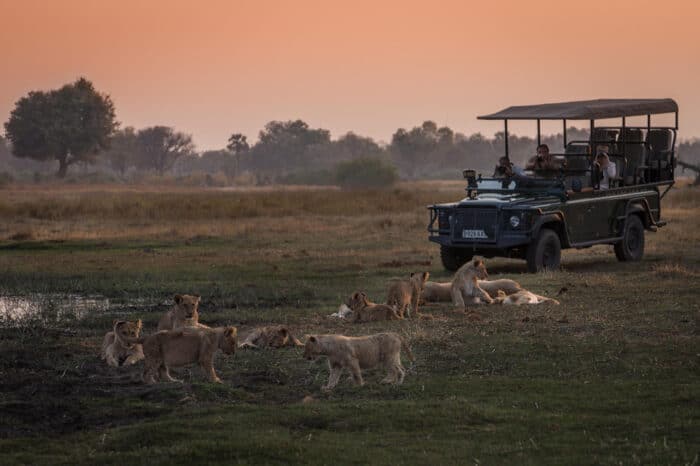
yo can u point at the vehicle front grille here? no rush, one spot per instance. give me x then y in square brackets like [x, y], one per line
[475, 225]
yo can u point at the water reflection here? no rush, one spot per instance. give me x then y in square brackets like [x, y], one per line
[46, 307]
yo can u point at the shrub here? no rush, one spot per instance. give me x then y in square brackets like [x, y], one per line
[366, 172]
[317, 177]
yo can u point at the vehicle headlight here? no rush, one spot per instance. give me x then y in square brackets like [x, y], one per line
[515, 221]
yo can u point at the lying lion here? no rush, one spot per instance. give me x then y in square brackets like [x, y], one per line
[274, 337]
[184, 313]
[364, 310]
[357, 353]
[523, 297]
[186, 345]
[404, 294]
[435, 292]
[115, 350]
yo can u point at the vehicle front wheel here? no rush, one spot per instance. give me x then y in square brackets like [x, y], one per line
[454, 258]
[544, 253]
[631, 248]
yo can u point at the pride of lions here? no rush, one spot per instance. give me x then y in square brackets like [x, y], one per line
[181, 339]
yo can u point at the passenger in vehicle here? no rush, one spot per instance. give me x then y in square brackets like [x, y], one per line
[506, 169]
[606, 169]
[543, 160]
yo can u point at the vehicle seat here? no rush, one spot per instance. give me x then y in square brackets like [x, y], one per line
[604, 137]
[660, 143]
[578, 165]
[634, 154]
[621, 166]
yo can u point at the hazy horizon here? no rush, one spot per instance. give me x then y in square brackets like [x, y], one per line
[213, 68]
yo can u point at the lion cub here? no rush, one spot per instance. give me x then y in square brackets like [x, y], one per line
[404, 294]
[356, 353]
[183, 314]
[274, 337]
[465, 285]
[115, 350]
[186, 345]
[364, 310]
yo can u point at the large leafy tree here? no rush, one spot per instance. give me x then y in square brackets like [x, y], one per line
[122, 151]
[160, 146]
[71, 124]
[286, 145]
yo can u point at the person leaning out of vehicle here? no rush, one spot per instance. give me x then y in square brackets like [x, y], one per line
[543, 160]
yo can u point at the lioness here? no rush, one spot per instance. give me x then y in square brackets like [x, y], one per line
[364, 310]
[356, 353]
[275, 337]
[404, 294]
[115, 350]
[434, 292]
[186, 345]
[183, 314]
[523, 297]
[465, 287]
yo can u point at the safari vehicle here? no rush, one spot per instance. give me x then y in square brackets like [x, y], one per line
[534, 214]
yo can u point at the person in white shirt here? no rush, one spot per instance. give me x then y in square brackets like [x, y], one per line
[606, 169]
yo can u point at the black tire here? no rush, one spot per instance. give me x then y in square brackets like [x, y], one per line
[454, 258]
[544, 253]
[631, 248]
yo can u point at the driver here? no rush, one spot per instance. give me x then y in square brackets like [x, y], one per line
[543, 160]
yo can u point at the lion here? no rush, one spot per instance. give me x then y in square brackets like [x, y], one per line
[357, 353]
[404, 294]
[465, 287]
[185, 345]
[274, 337]
[435, 292]
[115, 350]
[184, 313]
[364, 310]
[523, 297]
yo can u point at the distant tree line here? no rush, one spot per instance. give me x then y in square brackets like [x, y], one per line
[76, 125]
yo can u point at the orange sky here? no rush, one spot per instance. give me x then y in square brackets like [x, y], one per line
[211, 68]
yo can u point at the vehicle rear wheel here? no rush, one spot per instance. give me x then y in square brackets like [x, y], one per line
[544, 253]
[631, 248]
[454, 258]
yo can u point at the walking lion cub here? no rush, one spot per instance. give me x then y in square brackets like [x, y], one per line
[357, 353]
[186, 345]
[405, 294]
[116, 351]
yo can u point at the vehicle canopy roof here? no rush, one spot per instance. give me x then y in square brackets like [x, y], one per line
[586, 110]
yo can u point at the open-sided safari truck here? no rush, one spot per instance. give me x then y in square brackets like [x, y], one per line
[533, 215]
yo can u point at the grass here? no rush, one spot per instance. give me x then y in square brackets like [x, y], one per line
[611, 376]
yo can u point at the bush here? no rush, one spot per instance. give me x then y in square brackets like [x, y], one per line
[5, 179]
[318, 178]
[366, 172]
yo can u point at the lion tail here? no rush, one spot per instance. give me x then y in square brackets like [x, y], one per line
[544, 299]
[407, 350]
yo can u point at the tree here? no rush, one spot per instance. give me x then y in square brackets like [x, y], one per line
[122, 151]
[286, 145]
[71, 124]
[160, 146]
[237, 145]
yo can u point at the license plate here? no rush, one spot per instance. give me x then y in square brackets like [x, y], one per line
[474, 234]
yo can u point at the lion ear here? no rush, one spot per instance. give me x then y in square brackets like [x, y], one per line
[139, 324]
[477, 262]
[178, 299]
[426, 276]
[283, 331]
[312, 339]
[231, 330]
[115, 322]
[197, 296]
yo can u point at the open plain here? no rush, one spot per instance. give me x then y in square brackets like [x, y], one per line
[611, 376]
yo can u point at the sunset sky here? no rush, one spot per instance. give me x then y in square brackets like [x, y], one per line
[210, 68]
